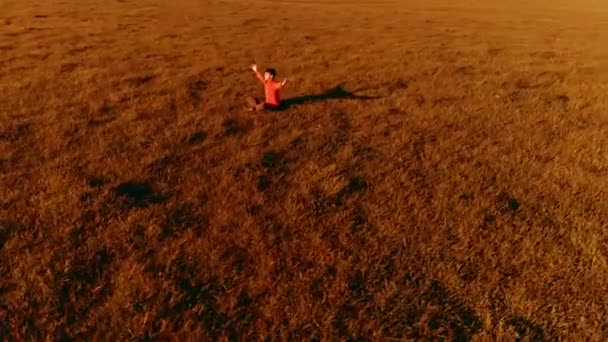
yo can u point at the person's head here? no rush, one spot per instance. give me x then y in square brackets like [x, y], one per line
[269, 74]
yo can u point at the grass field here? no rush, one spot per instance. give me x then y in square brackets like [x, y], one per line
[441, 171]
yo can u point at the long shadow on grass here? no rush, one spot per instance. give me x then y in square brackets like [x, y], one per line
[336, 93]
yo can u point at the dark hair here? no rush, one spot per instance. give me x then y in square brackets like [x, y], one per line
[272, 72]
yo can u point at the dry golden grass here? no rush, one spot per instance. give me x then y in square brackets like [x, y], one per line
[467, 199]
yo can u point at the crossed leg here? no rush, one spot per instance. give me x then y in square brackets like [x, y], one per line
[255, 105]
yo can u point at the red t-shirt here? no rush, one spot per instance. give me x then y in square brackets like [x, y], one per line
[271, 91]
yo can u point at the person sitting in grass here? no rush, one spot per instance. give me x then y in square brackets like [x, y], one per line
[271, 91]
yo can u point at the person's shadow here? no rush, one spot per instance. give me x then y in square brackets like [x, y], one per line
[335, 93]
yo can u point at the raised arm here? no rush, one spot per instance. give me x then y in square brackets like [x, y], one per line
[280, 85]
[257, 73]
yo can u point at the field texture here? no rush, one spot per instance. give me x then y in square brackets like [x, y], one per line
[441, 170]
